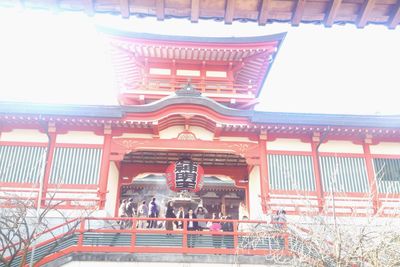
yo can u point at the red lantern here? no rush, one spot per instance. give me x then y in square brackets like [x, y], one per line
[185, 175]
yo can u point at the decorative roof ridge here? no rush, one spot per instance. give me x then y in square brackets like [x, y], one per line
[187, 98]
[200, 39]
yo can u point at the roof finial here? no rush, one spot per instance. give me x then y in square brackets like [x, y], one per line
[188, 90]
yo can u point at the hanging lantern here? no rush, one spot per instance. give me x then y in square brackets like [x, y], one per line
[185, 175]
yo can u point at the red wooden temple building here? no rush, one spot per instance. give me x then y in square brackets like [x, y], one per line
[193, 97]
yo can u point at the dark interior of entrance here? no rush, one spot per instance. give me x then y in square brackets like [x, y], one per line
[144, 179]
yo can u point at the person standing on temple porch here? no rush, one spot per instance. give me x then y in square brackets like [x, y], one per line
[170, 213]
[191, 226]
[142, 212]
[227, 226]
[243, 211]
[122, 213]
[130, 212]
[180, 215]
[153, 213]
[201, 213]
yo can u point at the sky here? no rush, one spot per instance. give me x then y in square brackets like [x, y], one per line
[60, 58]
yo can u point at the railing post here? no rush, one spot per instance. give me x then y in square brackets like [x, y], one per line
[133, 237]
[81, 231]
[235, 235]
[184, 237]
[286, 240]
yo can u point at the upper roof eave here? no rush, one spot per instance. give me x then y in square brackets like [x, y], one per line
[96, 111]
[194, 39]
[256, 117]
[334, 120]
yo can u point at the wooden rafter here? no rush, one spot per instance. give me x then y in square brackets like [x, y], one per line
[263, 14]
[229, 11]
[195, 11]
[332, 12]
[160, 9]
[356, 12]
[298, 13]
[365, 12]
[394, 19]
[124, 8]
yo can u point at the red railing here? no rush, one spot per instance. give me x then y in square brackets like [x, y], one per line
[209, 86]
[113, 235]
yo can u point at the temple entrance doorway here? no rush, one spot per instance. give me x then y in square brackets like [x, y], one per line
[225, 181]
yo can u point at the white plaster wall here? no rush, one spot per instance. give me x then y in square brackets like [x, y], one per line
[112, 188]
[254, 194]
[135, 135]
[387, 148]
[235, 139]
[154, 264]
[289, 145]
[23, 135]
[338, 146]
[171, 132]
[79, 137]
[201, 133]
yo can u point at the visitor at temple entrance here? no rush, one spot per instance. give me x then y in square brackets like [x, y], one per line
[170, 213]
[142, 212]
[153, 213]
[201, 213]
[180, 215]
[191, 226]
[227, 227]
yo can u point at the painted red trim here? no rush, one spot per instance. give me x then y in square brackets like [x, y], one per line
[385, 156]
[371, 177]
[53, 137]
[264, 181]
[383, 196]
[293, 192]
[317, 175]
[73, 186]
[15, 143]
[347, 155]
[118, 196]
[349, 194]
[19, 185]
[289, 152]
[65, 145]
[104, 170]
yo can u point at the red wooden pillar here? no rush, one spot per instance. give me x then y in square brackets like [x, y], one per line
[264, 181]
[317, 171]
[371, 173]
[49, 161]
[105, 166]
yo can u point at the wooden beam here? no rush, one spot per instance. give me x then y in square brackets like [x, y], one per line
[124, 8]
[229, 11]
[332, 13]
[160, 8]
[394, 19]
[89, 7]
[365, 12]
[195, 11]
[298, 13]
[263, 14]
